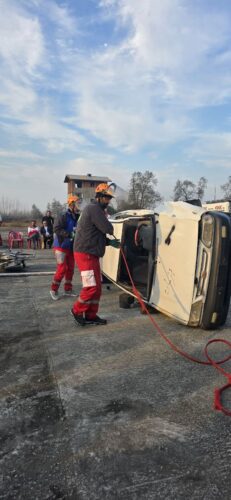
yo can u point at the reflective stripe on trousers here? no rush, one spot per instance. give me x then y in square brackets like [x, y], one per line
[88, 300]
[65, 268]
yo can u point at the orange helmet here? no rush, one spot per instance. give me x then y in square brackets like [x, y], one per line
[104, 190]
[72, 198]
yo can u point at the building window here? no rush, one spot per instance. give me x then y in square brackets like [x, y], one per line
[78, 184]
[92, 184]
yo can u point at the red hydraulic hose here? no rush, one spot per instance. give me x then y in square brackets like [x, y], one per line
[210, 362]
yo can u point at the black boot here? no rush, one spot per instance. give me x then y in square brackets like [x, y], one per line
[96, 321]
[79, 319]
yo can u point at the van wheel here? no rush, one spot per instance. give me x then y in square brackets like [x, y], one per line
[150, 309]
[125, 300]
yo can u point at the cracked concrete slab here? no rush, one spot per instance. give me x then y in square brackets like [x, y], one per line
[105, 412]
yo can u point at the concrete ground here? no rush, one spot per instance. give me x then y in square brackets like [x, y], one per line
[105, 412]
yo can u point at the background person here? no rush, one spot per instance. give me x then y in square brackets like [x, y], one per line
[47, 235]
[49, 219]
[89, 246]
[64, 229]
[33, 233]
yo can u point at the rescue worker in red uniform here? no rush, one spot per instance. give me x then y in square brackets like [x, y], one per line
[89, 246]
[64, 228]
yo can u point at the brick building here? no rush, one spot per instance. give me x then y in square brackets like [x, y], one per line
[84, 185]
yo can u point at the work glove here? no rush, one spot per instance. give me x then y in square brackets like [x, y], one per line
[115, 243]
[72, 235]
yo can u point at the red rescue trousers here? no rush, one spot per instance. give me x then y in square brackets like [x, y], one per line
[88, 300]
[65, 268]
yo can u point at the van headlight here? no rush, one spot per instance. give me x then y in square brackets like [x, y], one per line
[207, 230]
[195, 313]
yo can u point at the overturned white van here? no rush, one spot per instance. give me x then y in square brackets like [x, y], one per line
[179, 257]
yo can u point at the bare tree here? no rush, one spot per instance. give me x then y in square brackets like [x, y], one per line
[226, 188]
[56, 207]
[124, 205]
[186, 190]
[13, 209]
[142, 193]
[201, 186]
[35, 212]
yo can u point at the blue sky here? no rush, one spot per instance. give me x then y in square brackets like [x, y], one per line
[109, 87]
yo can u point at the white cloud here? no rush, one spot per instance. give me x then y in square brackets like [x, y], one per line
[61, 16]
[19, 154]
[171, 33]
[17, 98]
[212, 150]
[99, 163]
[135, 92]
[140, 91]
[36, 183]
[54, 135]
[21, 41]
[147, 84]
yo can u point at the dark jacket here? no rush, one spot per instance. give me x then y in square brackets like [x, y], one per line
[64, 228]
[43, 231]
[93, 226]
[49, 219]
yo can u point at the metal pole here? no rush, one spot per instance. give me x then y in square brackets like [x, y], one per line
[35, 273]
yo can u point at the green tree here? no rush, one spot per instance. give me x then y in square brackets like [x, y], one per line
[226, 188]
[142, 193]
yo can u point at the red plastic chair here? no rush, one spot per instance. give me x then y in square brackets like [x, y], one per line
[15, 237]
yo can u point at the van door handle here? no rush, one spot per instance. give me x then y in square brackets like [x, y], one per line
[168, 239]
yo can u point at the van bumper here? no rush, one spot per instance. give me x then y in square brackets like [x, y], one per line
[219, 289]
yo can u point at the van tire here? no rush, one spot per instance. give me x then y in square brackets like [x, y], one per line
[125, 301]
[150, 309]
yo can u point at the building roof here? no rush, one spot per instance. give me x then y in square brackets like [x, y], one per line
[87, 177]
